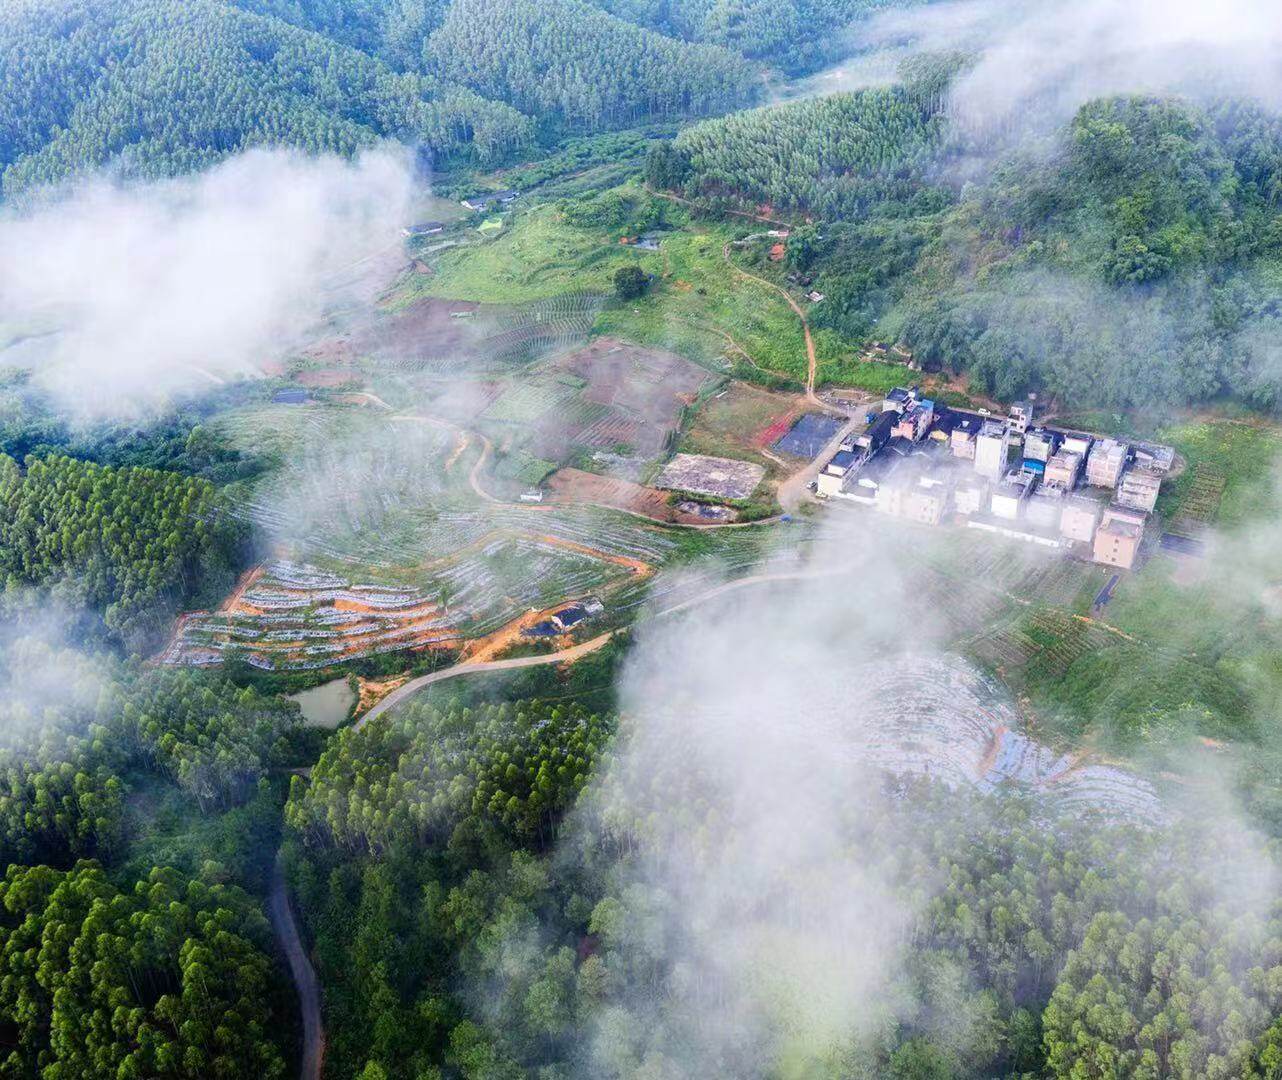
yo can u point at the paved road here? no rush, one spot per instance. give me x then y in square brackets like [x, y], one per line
[281, 913]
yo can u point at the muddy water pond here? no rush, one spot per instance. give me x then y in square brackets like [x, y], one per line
[327, 705]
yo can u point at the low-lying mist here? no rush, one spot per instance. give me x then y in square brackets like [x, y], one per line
[1038, 61]
[117, 297]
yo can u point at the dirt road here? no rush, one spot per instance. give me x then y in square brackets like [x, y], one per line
[577, 652]
[793, 491]
[565, 656]
[307, 986]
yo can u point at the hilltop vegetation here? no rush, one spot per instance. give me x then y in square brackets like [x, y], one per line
[87, 84]
[1049, 948]
[574, 61]
[134, 544]
[159, 87]
[1136, 262]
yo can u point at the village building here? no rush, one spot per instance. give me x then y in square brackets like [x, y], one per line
[1044, 509]
[970, 496]
[915, 420]
[1010, 495]
[1021, 415]
[1063, 470]
[992, 447]
[899, 399]
[1105, 463]
[964, 434]
[488, 200]
[1076, 443]
[1079, 519]
[1040, 445]
[1139, 489]
[1118, 538]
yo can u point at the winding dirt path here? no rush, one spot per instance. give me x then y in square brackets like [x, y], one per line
[577, 652]
[812, 362]
[307, 986]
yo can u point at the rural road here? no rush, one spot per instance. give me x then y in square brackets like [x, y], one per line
[567, 656]
[792, 491]
[281, 913]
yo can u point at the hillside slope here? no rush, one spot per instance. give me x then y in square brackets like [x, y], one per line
[166, 86]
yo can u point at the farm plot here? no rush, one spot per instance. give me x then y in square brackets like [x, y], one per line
[629, 401]
[721, 478]
[577, 486]
[294, 616]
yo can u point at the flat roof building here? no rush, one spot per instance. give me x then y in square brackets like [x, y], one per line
[1105, 463]
[1079, 519]
[1063, 470]
[965, 432]
[1139, 489]
[1010, 495]
[1118, 538]
[970, 496]
[991, 449]
[1040, 444]
[1043, 509]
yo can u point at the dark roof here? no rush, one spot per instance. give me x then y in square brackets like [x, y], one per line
[843, 459]
[879, 430]
[572, 615]
[898, 394]
[484, 198]
[427, 226]
[901, 446]
[289, 397]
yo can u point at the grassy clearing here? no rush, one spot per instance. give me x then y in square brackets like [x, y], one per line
[1243, 454]
[537, 257]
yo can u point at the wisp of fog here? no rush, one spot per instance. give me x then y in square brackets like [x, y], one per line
[117, 297]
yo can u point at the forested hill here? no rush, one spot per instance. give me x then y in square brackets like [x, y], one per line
[167, 86]
[570, 58]
[159, 87]
[795, 35]
[1136, 259]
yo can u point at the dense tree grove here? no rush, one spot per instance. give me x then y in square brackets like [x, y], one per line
[168, 980]
[135, 544]
[415, 774]
[452, 939]
[796, 35]
[87, 84]
[569, 58]
[833, 155]
[77, 727]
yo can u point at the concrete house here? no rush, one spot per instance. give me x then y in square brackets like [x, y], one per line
[963, 437]
[1139, 489]
[1040, 444]
[1077, 444]
[1105, 463]
[915, 420]
[1118, 539]
[970, 496]
[1044, 508]
[1063, 470]
[1079, 519]
[1010, 495]
[991, 449]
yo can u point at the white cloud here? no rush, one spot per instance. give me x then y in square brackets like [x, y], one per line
[157, 288]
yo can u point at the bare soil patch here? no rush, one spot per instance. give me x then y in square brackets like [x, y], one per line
[577, 486]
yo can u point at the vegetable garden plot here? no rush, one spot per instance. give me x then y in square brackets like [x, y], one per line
[296, 617]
